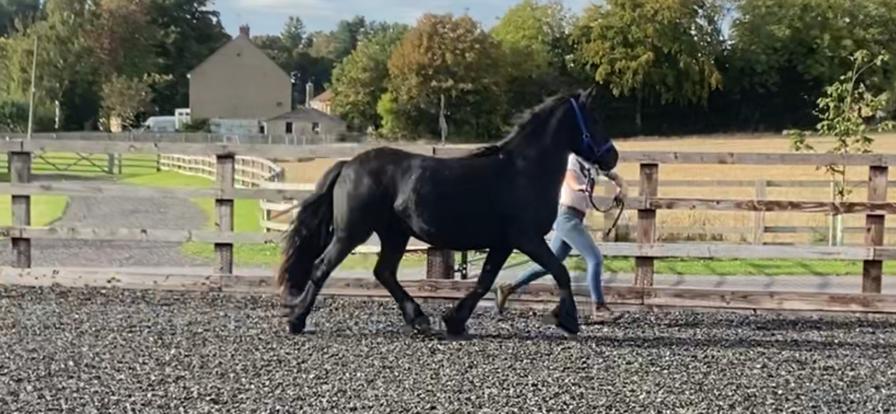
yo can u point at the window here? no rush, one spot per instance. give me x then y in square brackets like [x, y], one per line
[289, 127]
[315, 127]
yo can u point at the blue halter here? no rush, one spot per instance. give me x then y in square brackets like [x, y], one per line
[586, 137]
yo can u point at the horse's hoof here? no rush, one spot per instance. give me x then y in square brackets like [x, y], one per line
[421, 324]
[462, 337]
[569, 326]
[453, 327]
[296, 327]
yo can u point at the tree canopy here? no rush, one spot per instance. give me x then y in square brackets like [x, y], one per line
[361, 79]
[674, 61]
[454, 58]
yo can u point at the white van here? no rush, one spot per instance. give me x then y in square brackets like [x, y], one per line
[159, 124]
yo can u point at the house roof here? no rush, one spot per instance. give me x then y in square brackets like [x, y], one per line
[307, 114]
[243, 38]
[326, 96]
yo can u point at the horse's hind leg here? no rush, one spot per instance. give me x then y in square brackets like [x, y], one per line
[392, 249]
[338, 249]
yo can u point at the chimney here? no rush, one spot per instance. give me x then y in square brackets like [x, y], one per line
[309, 93]
[244, 30]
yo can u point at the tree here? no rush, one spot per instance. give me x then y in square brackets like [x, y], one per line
[454, 58]
[17, 12]
[124, 98]
[848, 111]
[346, 37]
[783, 54]
[123, 38]
[68, 69]
[310, 66]
[360, 80]
[14, 116]
[189, 32]
[653, 48]
[293, 34]
[535, 38]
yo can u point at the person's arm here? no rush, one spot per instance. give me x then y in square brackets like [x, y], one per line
[570, 181]
[621, 189]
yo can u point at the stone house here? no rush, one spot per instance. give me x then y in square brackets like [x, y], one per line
[238, 81]
[308, 124]
[323, 103]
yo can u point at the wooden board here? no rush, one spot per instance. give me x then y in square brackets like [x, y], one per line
[872, 270]
[20, 172]
[646, 235]
[455, 289]
[97, 189]
[119, 144]
[224, 211]
[655, 250]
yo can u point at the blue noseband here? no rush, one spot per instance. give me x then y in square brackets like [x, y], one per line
[586, 137]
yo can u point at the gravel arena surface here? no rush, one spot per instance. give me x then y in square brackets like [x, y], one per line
[93, 350]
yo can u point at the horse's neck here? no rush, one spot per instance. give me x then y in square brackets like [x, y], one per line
[542, 162]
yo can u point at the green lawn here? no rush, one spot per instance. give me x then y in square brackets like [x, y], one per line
[44, 210]
[269, 256]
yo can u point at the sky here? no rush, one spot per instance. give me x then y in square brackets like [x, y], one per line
[268, 16]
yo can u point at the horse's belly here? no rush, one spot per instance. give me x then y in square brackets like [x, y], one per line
[454, 229]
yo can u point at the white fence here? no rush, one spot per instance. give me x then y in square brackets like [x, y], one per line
[249, 172]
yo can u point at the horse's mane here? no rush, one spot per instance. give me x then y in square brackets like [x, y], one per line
[525, 121]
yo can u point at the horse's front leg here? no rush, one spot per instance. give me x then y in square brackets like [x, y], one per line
[565, 314]
[456, 318]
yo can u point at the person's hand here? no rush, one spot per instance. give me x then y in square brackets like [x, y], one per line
[620, 196]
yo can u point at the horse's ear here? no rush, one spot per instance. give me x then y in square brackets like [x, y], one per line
[588, 96]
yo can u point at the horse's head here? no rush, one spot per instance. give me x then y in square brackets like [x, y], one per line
[591, 142]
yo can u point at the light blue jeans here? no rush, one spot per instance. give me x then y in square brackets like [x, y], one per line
[570, 233]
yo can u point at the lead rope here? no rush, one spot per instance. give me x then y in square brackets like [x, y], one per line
[617, 202]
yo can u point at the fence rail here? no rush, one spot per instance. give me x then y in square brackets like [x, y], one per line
[647, 203]
[250, 172]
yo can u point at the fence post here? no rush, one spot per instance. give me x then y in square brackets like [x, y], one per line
[224, 207]
[110, 163]
[20, 173]
[648, 189]
[874, 229]
[439, 264]
[759, 216]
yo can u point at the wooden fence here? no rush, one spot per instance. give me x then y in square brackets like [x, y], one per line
[249, 172]
[758, 230]
[644, 251]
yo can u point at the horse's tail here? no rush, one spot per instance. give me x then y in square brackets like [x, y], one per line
[309, 235]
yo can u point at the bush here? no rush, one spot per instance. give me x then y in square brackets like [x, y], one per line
[14, 116]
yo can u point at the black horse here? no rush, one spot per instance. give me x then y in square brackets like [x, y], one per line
[501, 197]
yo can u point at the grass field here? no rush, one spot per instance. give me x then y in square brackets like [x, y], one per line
[269, 257]
[44, 210]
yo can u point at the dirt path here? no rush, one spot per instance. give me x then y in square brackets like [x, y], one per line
[118, 212]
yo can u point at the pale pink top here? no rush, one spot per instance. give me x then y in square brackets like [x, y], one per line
[570, 196]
